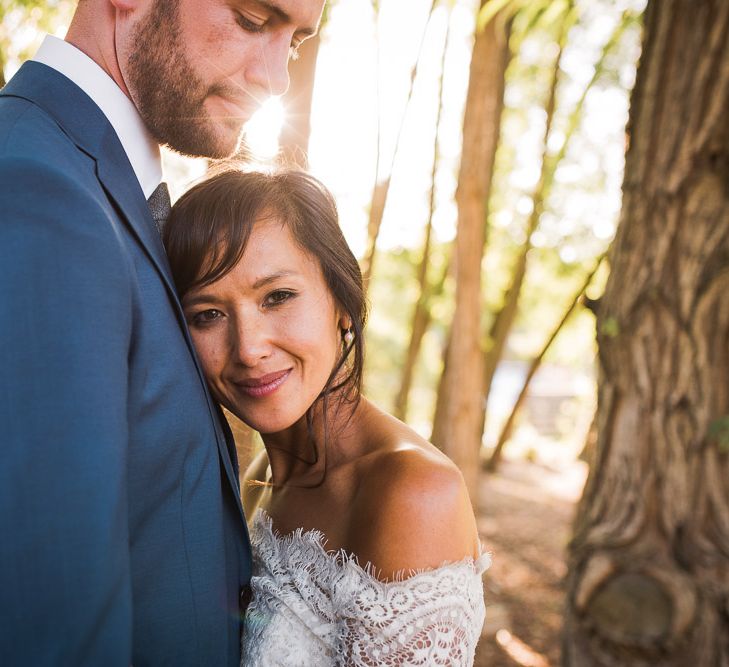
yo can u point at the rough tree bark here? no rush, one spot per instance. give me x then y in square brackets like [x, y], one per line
[649, 561]
[458, 433]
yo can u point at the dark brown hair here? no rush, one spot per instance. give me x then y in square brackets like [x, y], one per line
[210, 225]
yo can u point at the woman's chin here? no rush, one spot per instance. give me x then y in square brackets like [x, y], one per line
[267, 425]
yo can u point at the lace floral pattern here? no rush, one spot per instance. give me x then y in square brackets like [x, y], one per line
[312, 607]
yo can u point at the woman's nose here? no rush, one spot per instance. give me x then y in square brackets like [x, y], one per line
[251, 342]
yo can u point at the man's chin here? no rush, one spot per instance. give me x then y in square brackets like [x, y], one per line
[215, 143]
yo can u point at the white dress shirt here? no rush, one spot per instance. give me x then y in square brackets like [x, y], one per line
[139, 145]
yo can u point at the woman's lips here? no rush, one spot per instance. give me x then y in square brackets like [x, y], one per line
[263, 385]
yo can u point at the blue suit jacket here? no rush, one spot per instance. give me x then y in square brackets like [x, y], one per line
[122, 538]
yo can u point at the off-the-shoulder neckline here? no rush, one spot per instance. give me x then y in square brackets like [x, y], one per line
[342, 559]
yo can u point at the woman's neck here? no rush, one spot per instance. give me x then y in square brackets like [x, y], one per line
[301, 454]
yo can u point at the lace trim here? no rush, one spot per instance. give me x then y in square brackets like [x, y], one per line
[317, 608]
[341, 559]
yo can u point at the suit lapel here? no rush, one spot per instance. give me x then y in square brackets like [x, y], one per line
[128, 196]
[84, 123]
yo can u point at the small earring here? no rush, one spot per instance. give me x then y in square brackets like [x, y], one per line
[348, 337]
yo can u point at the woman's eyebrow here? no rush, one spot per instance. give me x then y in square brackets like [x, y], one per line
[210, 297]
[273, 277]
[201, 297]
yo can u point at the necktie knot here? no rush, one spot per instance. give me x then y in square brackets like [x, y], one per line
[160, 205]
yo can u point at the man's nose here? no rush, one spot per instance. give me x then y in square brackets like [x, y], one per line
[270, 72]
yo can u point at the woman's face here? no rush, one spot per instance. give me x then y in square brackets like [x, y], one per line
[268, 333]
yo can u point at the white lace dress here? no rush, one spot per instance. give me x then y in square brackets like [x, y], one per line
[313, 607]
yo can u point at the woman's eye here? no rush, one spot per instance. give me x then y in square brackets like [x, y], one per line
[206, 316]
[278, 297]
[250, 23]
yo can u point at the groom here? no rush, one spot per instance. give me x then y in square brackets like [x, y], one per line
[122, 537]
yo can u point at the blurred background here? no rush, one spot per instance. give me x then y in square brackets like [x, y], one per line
[476, 151]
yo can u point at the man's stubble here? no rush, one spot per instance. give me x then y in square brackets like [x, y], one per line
[169, 95]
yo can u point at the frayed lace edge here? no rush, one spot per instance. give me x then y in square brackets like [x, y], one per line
[342, 559]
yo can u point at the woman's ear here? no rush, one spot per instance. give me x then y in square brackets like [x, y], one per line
[345, 322]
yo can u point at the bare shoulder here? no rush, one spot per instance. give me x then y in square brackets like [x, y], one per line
[252, 486]
[412, 509]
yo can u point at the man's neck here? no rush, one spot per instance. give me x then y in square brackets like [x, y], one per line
[93, 33]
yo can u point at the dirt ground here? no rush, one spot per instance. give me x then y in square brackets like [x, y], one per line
[525, 513]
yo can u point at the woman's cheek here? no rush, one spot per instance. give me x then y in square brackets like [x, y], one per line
[209, 351]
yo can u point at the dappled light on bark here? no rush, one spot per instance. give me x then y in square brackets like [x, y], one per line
[650, 556]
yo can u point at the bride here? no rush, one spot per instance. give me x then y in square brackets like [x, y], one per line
[364, 540]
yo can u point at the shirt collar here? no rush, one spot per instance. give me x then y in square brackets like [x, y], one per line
[141, 148]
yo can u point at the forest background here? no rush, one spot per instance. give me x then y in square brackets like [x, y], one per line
[477, 152]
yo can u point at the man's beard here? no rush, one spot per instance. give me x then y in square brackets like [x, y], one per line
[169, 96]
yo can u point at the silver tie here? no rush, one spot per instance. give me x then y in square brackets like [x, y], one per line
[159, 205]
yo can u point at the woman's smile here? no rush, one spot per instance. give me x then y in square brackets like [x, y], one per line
[264, 385]
[268, 332]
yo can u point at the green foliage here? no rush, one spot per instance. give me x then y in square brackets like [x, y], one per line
[610, 327]
[23, 22]
[526, 13]
[580, 209]
[392, 297]
[719, 433]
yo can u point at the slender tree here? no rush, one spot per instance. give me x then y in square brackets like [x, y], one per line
[649, 561]
[503, 321]
[534, 367]
[421, 311]
[504, 318]
[381, 187]
[458, 431]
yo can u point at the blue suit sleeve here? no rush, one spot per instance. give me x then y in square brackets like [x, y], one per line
[65, 322]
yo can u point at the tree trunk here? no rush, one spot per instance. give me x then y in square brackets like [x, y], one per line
[508, 427]
[418, 327]
[381, 188]
[421, 313]
[439, 433]
[504, 319]
[462, 383]
[649, 562]
[294, 137]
